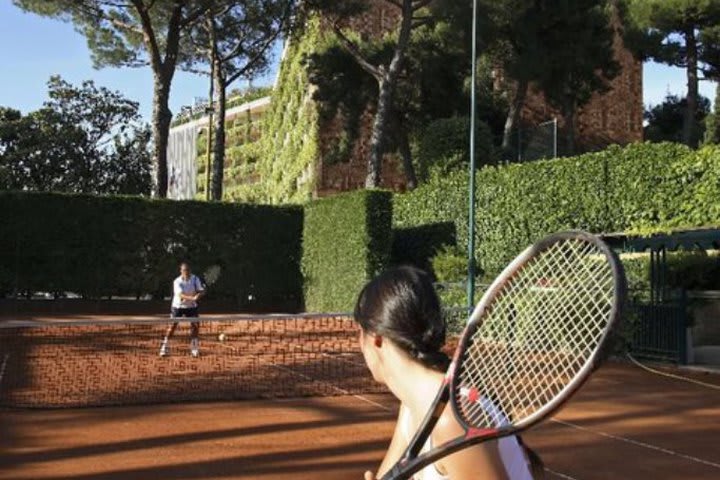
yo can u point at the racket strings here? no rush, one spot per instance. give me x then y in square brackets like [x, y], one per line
[536, 335]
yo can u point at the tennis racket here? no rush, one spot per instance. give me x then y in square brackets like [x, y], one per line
[211, 275]
[533, 339]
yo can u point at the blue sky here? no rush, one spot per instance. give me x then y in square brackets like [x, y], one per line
[34, 48]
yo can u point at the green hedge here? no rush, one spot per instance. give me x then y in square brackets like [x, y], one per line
[103, 246]
[418, 245]
[346, 241]
[641, 187]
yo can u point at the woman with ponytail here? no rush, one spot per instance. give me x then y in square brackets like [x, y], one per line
[402, 334]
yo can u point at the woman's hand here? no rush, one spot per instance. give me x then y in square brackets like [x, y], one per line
[369, 475]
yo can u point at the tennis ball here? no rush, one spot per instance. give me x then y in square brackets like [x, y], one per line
[221, 337]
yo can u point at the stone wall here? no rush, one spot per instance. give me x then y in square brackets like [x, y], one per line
[609, 118]
[339, 177]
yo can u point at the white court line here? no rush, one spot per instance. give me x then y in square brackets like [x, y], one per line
[560, 475]
[3, 366]
[670, 375]
[638, 444]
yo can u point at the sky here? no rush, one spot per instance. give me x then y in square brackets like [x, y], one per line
[33, 48]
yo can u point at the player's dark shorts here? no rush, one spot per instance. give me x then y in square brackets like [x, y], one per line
[186, 313]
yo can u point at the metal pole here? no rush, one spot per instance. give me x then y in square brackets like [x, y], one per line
[471, 212]
[555, 138]
[210, 110]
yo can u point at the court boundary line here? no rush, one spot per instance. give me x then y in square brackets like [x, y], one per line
[560, 475]
[671, 375]
[637, 443]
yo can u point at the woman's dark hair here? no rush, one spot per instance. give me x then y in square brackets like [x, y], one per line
[401, 304]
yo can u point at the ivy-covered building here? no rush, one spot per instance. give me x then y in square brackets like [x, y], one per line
[286, 150]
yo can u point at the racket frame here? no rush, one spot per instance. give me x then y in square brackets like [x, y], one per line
[412, 460]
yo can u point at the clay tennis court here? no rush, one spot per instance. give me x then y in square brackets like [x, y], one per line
[625, 423]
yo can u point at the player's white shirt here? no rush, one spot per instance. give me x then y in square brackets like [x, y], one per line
[191, 286]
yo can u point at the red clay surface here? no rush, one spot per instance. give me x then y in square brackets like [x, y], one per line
[61, 364]
[624, 424]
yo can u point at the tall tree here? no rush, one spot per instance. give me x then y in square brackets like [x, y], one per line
[431, 84]
[134, 33]
[412, 13]
[682, 33]
[236, 39]
[84, 139]
[665, 121]
[579, 36]
[712, 122]
[512, 32]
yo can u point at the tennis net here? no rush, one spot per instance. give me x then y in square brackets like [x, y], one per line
[116, 362]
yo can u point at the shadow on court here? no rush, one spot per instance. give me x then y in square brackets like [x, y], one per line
[336, 437]
[625, 424]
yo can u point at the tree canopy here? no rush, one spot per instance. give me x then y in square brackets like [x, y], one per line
[85, 139]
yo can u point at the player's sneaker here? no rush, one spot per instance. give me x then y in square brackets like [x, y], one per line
[164, 350]
[194, 348]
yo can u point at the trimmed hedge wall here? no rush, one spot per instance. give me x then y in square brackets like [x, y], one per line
[642, 187]
[102, 246]
[418, 245]
[346, 242]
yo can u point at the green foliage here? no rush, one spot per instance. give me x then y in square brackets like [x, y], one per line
[450, 265]
[101, 246]
[637, 187]
[689, 195]
[85, 139]
[665, 121]
[289, 141]
[712, 122]
[444, 145]
[418, 245]
[346, 241]
[690, 270]
[432, 85]
[679, 33]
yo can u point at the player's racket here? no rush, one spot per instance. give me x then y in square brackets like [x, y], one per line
[211, 275]
[534, 338]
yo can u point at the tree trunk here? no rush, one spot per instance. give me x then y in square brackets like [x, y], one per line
[218, 166]
[514, 113]
[377, 139]
[387, 83]
[161, 117]
[689, 122]
[569, 116]
[406, 154]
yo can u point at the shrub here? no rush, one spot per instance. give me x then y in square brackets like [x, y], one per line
[619, 189]
[103, 246]
[418, 245]
[346, 241]
[444, 145]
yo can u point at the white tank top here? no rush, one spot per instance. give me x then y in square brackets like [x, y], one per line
[511, 453]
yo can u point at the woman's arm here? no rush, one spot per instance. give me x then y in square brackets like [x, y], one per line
[397, 447]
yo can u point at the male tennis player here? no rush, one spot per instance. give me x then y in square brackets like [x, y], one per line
[187, 290]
